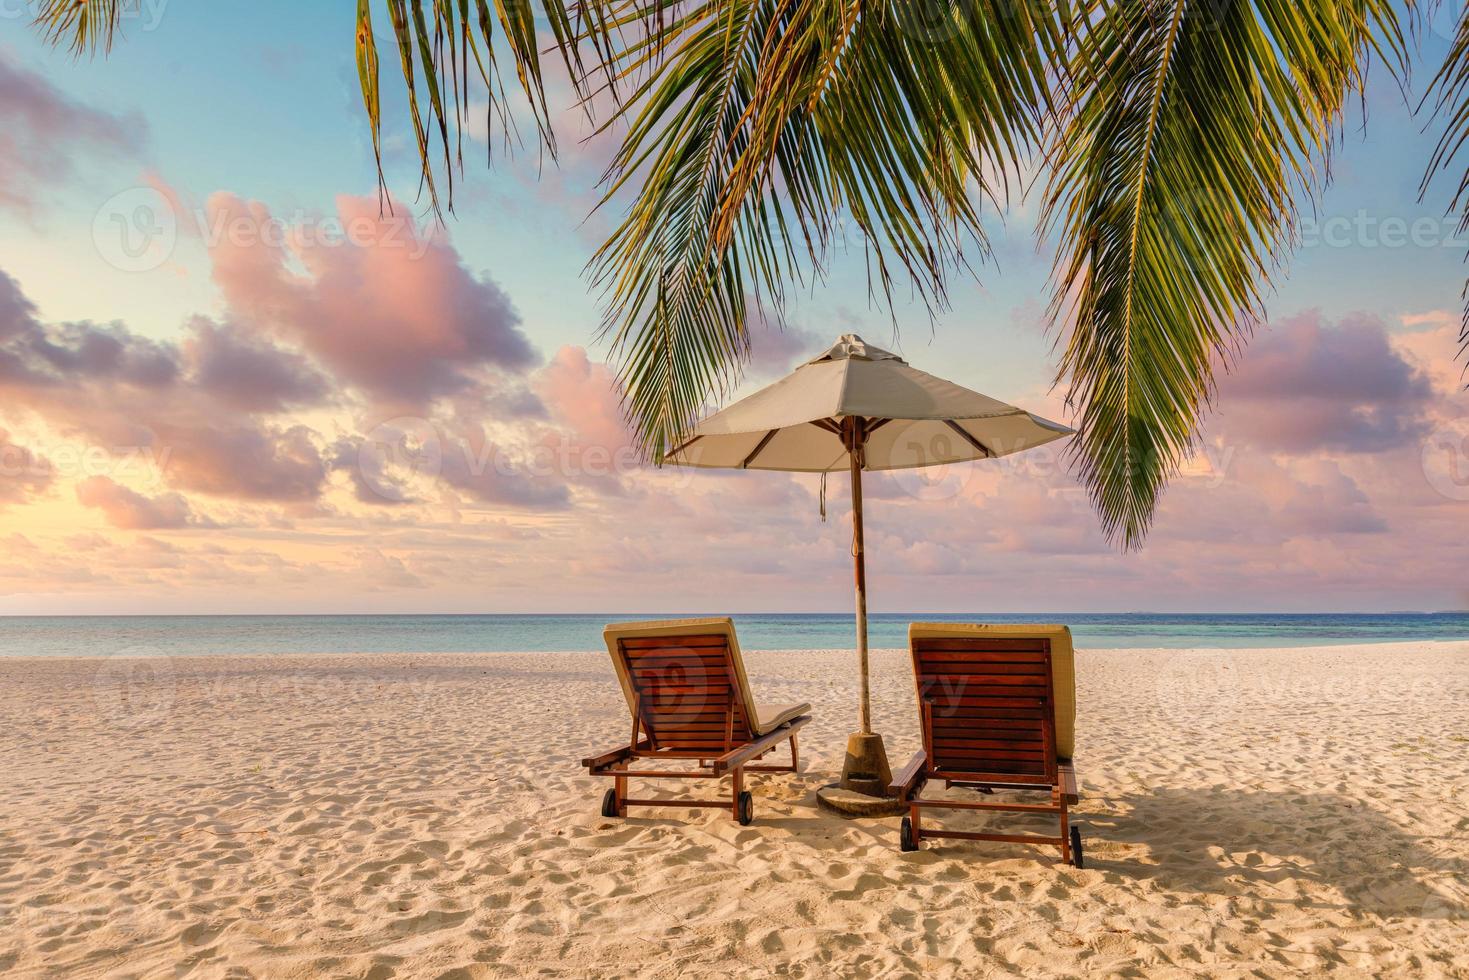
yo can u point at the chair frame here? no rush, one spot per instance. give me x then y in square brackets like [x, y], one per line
[740, 746]
[1058, 776]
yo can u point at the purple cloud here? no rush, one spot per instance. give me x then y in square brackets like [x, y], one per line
[1305, 385]
[249, 373]
[123, 392]
[46, 132]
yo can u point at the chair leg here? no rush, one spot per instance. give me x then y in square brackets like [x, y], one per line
[619, 794]
[913, 811]
[737, 787]
[795, 754]
[1059, 798]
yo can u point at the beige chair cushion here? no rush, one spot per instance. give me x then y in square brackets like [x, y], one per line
[763, 720]
[772, 716]
[1063, 665]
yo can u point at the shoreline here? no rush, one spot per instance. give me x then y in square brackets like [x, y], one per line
[1324, 646]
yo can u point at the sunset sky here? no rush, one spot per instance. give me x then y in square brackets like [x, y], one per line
[209, 336]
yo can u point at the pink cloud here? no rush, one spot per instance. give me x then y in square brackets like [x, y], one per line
[583, 396]
[129, 510]
[474, 464]
[382, 306]
[249, 462]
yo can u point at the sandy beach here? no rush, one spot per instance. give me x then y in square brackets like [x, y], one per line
[1246, 813]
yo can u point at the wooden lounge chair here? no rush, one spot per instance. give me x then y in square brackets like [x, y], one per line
[686, 690]
[997, 706]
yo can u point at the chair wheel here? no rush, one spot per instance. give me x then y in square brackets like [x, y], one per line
[609, 803]
[747, 809]
[905, 836]
[1076, 847]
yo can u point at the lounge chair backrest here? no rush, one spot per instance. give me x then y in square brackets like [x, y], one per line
[1063, 663]
[684, 683]
[987, 705]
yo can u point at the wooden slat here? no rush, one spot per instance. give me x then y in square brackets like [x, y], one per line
[999, 773]
[1030, 744]
[685, 729]
[969, 656]
[980, 667]
[964, 733]
[717, 737]
[1000, 644]
[1019, 707]
[974, 719]
[659, 726]
[707, 718]
[697, 641]
[714, 692]
[673, 700]
[707, 723]
[1009, 754]
[681, 675]
[685, 659]
[710, 661]
[997, 838]
[950, 684]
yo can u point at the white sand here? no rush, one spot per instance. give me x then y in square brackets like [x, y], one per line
[1246, 813]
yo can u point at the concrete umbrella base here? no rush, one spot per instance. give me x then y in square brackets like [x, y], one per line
[863, 790]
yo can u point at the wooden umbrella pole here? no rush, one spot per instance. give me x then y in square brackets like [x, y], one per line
[855, 438]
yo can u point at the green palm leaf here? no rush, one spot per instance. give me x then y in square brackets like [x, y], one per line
[1191, 130]
[764, 123]
[1450, 94]
[435, 41]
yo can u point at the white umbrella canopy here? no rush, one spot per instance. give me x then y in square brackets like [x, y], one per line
[907, 417]
[858, 407]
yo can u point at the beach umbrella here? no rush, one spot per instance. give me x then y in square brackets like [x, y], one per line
[860, 408]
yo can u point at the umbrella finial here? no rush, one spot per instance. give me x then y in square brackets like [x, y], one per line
[850, 346]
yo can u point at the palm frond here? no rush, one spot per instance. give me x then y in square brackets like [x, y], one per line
[768, 122]
[1449, 92]
[1192, 129]
[436, 41]
[83, 26]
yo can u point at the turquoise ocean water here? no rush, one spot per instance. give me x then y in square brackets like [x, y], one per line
[200, 635]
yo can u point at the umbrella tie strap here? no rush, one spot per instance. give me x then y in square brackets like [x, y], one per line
[823, 496]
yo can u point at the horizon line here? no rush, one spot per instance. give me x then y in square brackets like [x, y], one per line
[702, 613]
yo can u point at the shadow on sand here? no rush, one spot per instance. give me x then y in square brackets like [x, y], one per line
[1268, 845]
